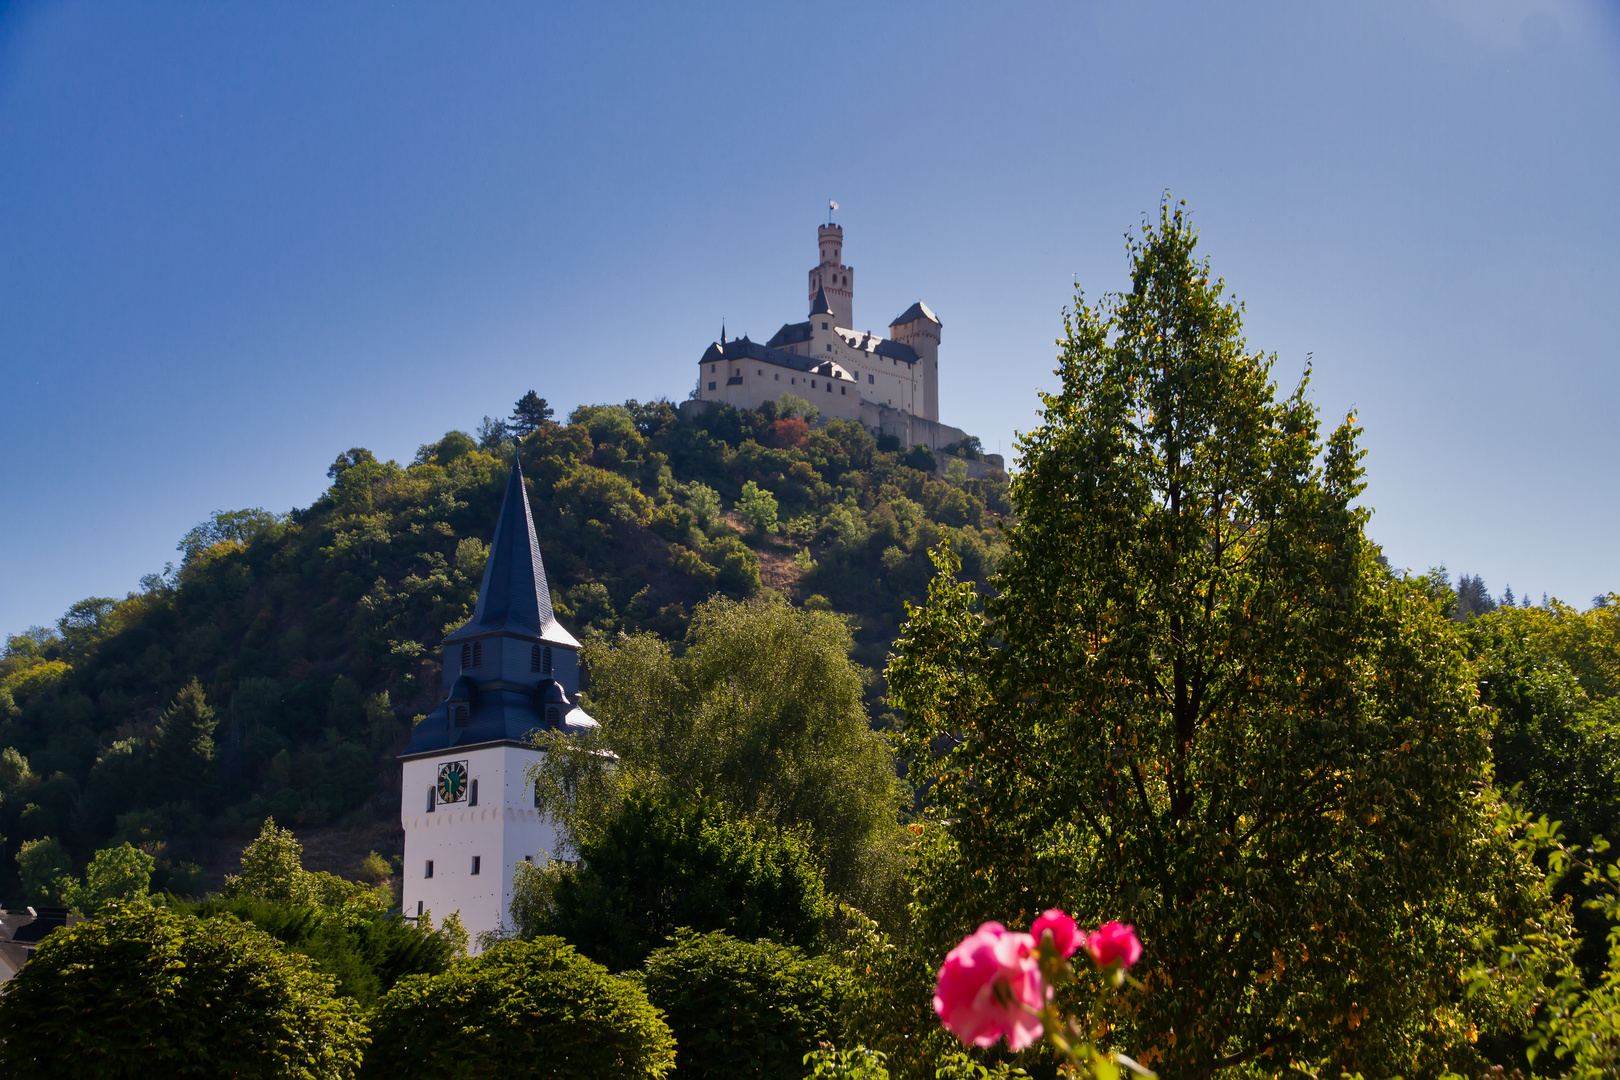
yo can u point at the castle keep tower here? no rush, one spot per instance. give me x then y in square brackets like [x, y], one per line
[833, 276]
[919, 327]
[465, 803]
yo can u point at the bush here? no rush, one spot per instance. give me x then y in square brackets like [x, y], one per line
[365, 952]
[658, 867]
[739, 1009]
[145, 991]
[523, 1008]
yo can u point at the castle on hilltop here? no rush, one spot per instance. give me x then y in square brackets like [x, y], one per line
[888, 385]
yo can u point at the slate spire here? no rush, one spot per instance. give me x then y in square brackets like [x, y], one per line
[514, 596]
[821, 307]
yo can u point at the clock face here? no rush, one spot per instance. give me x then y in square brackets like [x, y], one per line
[453, 781]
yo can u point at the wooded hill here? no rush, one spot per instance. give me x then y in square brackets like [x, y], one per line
[314, 634]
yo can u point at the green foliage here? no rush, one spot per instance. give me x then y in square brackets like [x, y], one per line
[758, 507]
[363, 949]
[763, 713]
[294, 626]
[741, 1009]
[121, 874]
[273, 870]
[860, 1063]
[657, 867]
[45, 871]
[521, 1008]
[143, 991]
[1197, 703]
[529, 413]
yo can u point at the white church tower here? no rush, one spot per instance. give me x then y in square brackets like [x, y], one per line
[466, 805]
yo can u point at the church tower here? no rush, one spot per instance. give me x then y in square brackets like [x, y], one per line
[466, 806]
[833, 276]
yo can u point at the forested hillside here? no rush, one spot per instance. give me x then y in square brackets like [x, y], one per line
[312, 635]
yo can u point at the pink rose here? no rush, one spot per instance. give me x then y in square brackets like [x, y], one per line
[1066, 937]
[1114, 943]
[990, 986]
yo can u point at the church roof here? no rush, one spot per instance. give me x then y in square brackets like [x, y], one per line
[514, 597]
[916, 311]
[821, 307]
[493, 716]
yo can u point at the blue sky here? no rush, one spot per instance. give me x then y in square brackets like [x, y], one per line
[236, 240]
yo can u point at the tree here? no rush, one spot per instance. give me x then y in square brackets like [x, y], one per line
[45, 870]
[758, 506]
[144, 991]
[1194, 701]
[658, 867]
[238, 526]
[763, 712]
[529, 413]
[273, 870]
[742, 1009]
[183, 748]
[492, 434]
[120, 874]
[521, 1008]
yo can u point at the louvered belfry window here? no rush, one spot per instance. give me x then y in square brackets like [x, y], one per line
[534, 658]
[478, 654]
[545, 663]
[466, 655]
[461, 716]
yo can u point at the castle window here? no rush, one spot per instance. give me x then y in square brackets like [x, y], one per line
[478, 654]
[776, 377]
[759, 371]
[478, 863]
[829, 346]
[466, 656]
[824, 326]
[842, 391]
[433, 800]
[812, 384]
[461, 716]
[534, 658]
[711, 369]
[711, 386]
[871, 378]
[472, 793]
[427, 871]
[419, 909]
[829, 388]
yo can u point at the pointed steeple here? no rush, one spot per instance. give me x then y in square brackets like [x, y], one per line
[820, 307]
[514, 597]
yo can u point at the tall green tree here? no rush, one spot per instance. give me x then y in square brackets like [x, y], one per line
[1194, 701]
[183, 748]
[763, 712]
[122, 874]
[658, 867]
[529, 413]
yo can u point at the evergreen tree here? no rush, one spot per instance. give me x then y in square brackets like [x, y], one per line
[529, 413]
[183, 748]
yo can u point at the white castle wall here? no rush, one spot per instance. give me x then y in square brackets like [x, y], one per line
[503, 830]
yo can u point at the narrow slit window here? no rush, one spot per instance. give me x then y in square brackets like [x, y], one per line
[534, 658]
[419, 909]
[478, 863]
[433, 800]
[478, 654]
[466, 656]
[427, 871]
[472, 793]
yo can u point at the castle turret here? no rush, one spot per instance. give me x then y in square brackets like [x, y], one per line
[466, 803]
[833, 276]
[919, 328]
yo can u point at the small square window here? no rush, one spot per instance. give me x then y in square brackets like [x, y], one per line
[711, 386]
[427, 871]
[824, 326]
[478, 863]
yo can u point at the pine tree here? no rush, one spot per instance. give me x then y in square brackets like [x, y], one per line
[183, 748]
[529, 413]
